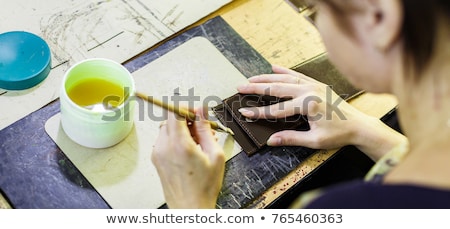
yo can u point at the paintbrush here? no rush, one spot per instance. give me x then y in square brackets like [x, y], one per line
[182, 112]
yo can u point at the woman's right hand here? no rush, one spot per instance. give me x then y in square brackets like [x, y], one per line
[190, 163]
[333, 122]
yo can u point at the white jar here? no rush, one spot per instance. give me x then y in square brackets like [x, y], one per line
[97, 128]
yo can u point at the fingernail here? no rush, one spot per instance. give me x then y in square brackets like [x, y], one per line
[241, 87]
[246, 112]
[274, 141]
[256, 76]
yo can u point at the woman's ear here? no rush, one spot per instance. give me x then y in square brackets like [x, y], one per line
[386, 19]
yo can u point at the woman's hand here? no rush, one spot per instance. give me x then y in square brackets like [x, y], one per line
[190, 163]
[333, 122]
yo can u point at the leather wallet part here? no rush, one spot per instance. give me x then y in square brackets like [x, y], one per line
[259, 130]
[242, 137]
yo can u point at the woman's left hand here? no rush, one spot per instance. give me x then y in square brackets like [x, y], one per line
[328, 114]
[333, 122]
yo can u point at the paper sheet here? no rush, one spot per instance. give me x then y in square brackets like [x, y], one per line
[76, 30]
[124, 174]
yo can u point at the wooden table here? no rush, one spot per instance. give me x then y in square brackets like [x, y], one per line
[284, 37]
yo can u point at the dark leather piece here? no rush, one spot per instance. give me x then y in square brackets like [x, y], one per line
[240, 135]
[252, 135]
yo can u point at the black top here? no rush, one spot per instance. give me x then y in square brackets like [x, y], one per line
[369, 195]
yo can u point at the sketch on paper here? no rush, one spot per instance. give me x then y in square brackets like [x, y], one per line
[76, 30]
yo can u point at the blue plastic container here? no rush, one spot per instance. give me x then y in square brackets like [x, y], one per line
[25, 60]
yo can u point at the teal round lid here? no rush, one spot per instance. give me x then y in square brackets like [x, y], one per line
[25, 60]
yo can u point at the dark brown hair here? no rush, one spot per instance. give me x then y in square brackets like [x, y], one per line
[419, 29]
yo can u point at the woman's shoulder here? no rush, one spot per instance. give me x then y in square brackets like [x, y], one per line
[370, 195]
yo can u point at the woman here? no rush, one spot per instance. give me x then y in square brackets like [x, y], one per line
[382, 46]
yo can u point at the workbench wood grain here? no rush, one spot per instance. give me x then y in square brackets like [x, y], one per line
[274, 29]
